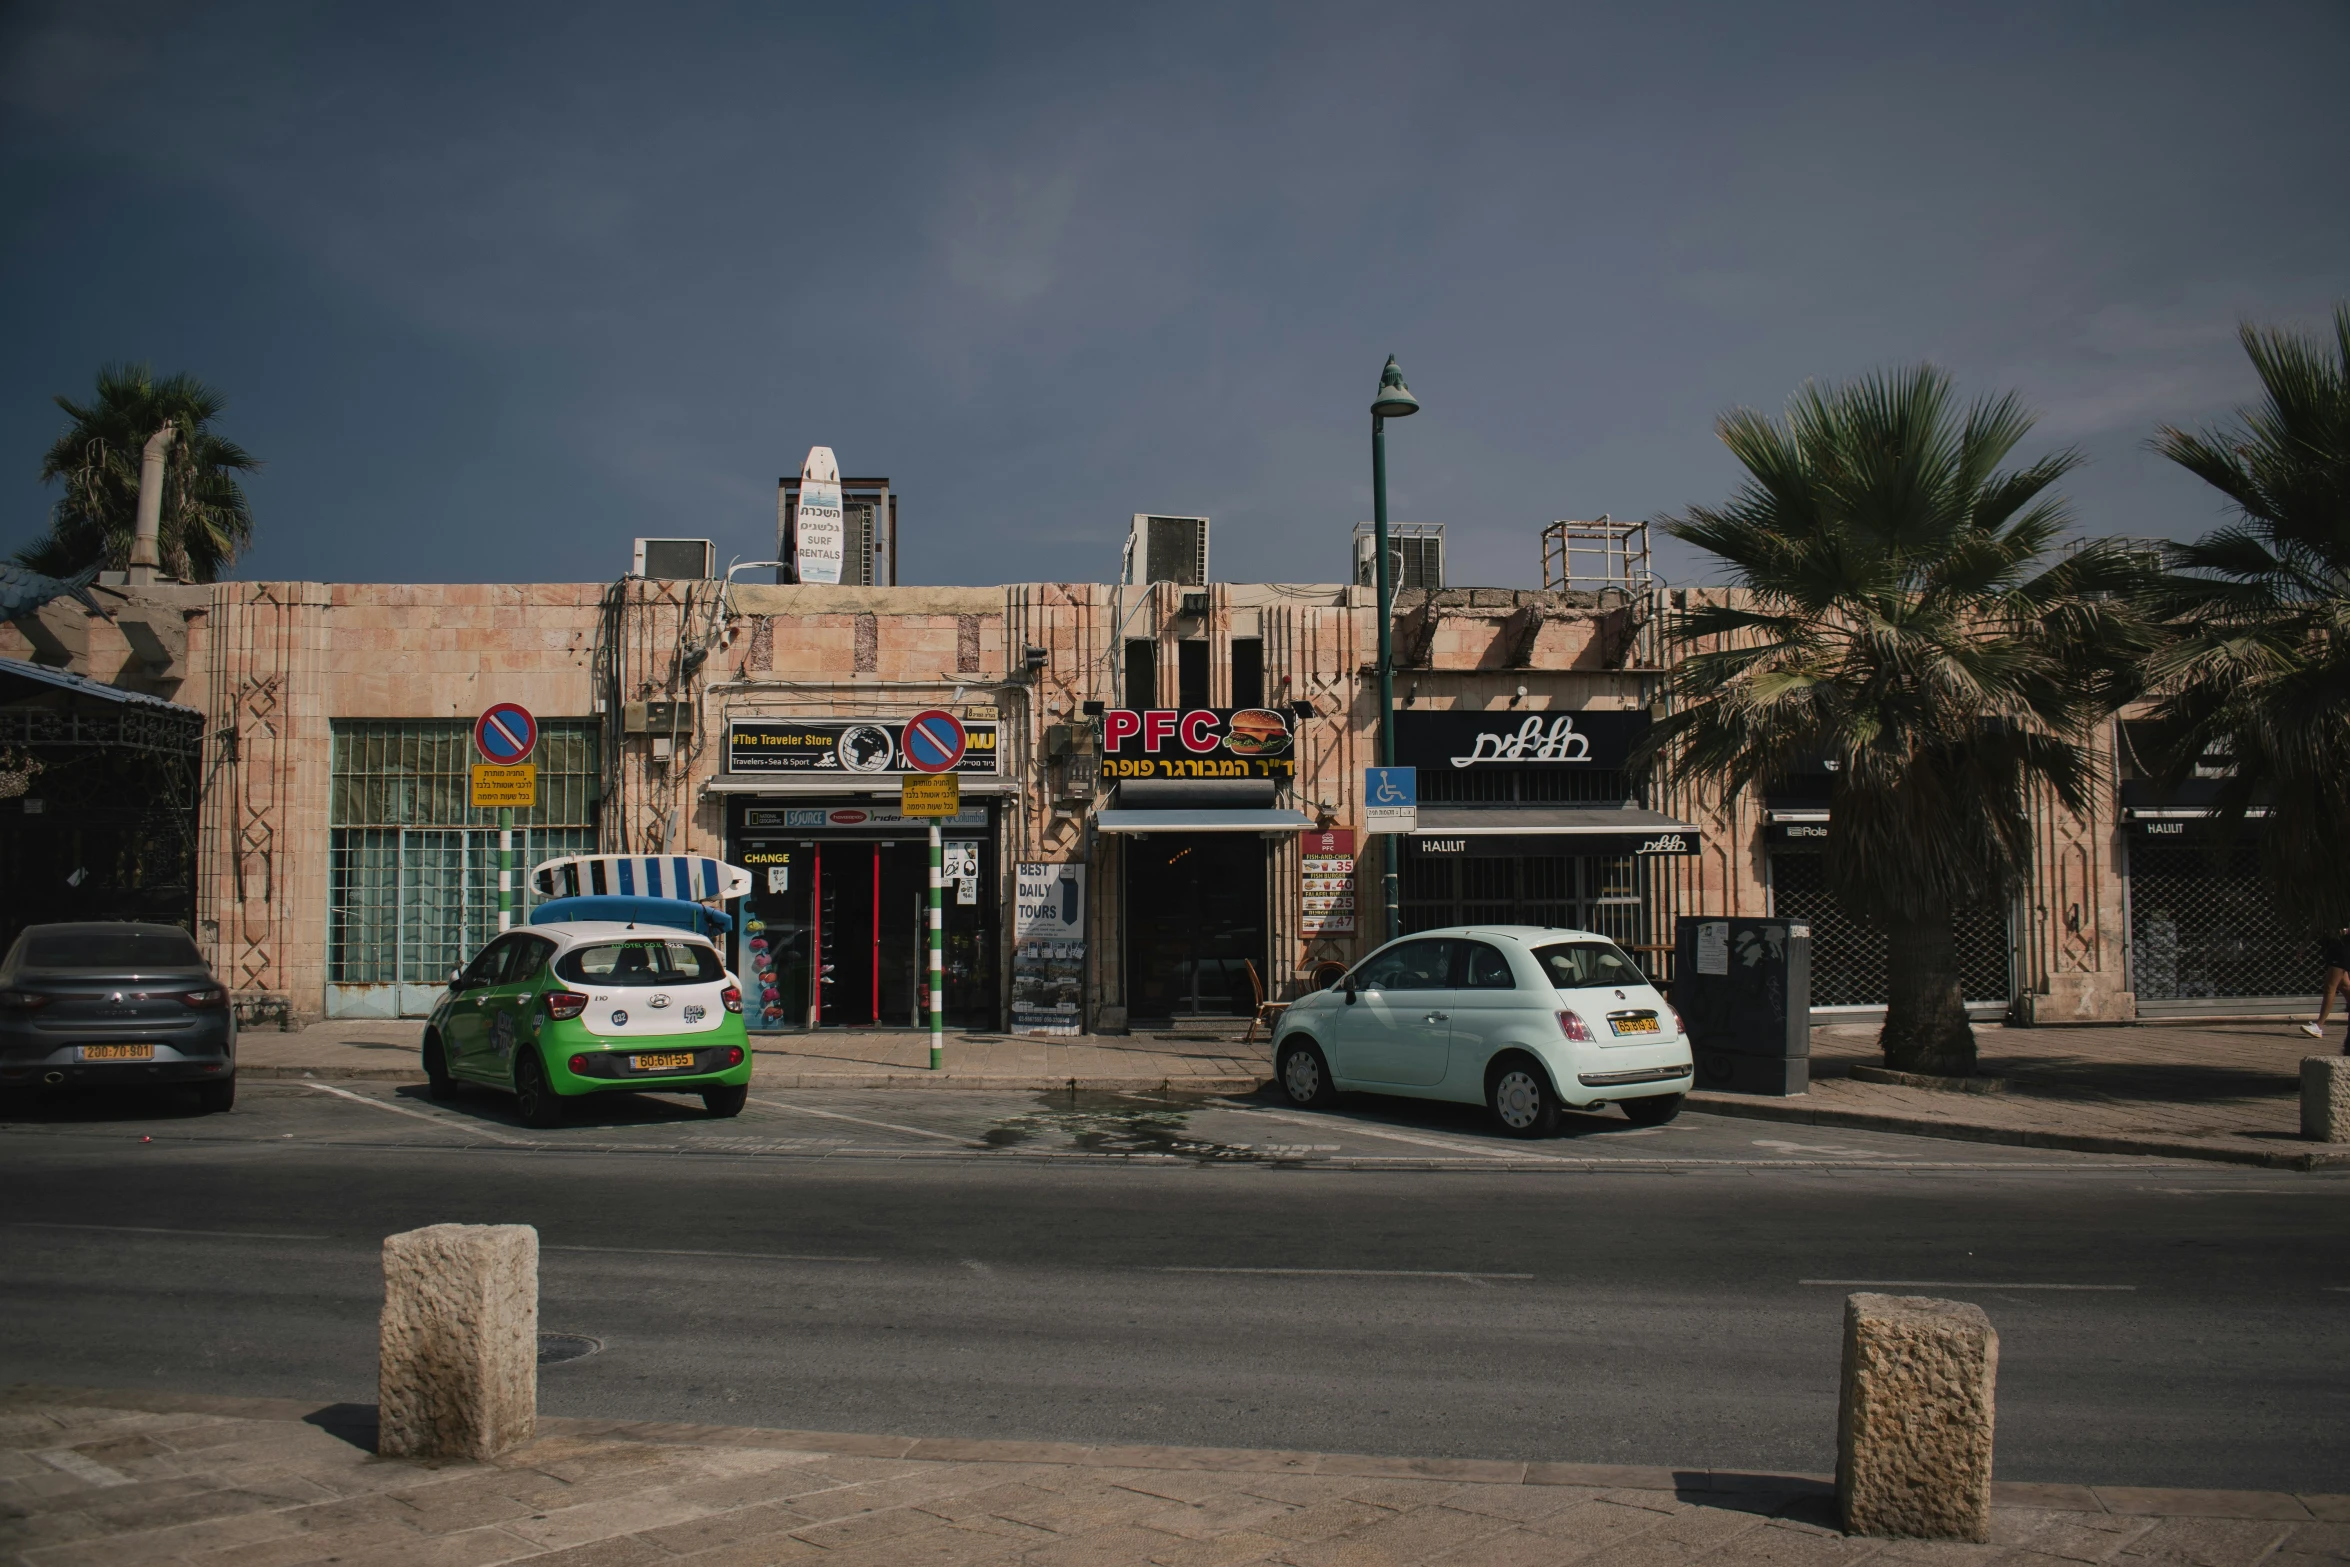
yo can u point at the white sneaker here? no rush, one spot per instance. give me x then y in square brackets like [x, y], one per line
[2313, 1031]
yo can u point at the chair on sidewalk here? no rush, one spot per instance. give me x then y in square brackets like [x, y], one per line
[1267, 1013]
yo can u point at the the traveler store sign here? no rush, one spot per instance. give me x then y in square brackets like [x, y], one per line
[1514, 738]
[1199, 742]
[1048, 949]
[841, 747]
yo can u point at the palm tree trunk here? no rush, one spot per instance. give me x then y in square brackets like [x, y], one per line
[1926, 1027]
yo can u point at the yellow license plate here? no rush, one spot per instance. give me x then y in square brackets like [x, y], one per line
[118, 1052]
[1632, 1025]
[661, 1062]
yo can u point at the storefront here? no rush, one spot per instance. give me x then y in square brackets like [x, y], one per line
[1198, 819]
[2204, 924]
[834, 930]
[1525, 819]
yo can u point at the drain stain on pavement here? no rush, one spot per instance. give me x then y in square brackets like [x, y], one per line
[1112, 1128]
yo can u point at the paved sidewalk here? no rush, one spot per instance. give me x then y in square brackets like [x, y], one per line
[115, 1480]
[2224, 1091]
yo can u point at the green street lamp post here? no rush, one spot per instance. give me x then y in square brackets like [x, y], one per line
[1394, 401]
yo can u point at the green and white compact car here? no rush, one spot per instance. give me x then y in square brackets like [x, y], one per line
[1522, 1019]
[556, 1012]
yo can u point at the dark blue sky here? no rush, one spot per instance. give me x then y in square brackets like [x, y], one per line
[495, 288]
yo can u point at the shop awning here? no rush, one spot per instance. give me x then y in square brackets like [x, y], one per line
[1258, 821]
[1569, 829]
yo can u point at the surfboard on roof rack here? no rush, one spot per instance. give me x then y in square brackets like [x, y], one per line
[690, 876]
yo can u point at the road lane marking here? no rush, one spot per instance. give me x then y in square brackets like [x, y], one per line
[146, 1229]
[748, 1256]
[82, 1467]
[1359, 1273]
[419, 1115]
[887, 1126]
[1961, 1284]
[1406, 1137]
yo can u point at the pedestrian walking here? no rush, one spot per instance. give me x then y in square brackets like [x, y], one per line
[2337, 955]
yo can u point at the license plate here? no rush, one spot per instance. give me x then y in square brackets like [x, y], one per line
[118, 1052]
[663, 1061]
[1632, 1025]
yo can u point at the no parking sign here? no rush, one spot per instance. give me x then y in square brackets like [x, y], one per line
[505, 736]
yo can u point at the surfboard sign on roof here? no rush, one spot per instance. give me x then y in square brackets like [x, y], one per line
[819, 533]
[690, 876]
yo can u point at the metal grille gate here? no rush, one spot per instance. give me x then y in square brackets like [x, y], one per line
[413, 869]
[1848, 954]
[1600, 893]
[2203, 924]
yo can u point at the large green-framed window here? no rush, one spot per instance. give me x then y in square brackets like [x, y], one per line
[413, 869]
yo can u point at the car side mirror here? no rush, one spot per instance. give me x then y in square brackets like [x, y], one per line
[1350, 992]
[456, 979]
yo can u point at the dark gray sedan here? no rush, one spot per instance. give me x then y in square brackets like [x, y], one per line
[111, 1005]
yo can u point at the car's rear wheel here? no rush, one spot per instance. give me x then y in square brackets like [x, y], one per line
[1520, 1098]
[437, 1081]
[724, 1102]
[534, 1096]
[1654, 1110]
[1305, 1075]
[213, 1098]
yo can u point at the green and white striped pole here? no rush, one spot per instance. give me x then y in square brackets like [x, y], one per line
[505, 868]
[938, 994]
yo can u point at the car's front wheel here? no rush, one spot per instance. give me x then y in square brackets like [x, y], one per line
[1522, 1102]
[534, 1096]
[725, 1102]
[1654, 1110]
[1305, 1076]
[437, 1081]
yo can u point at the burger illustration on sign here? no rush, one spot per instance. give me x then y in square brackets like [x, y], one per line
[1257, 731]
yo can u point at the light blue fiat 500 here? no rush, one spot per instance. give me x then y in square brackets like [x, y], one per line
[1524, 1020]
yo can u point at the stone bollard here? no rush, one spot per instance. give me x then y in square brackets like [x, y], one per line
[2325, 1098]
[1913, 1434]
[458, 1374]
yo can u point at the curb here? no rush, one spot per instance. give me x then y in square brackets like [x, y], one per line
[774, 1080]
[2018, 1137]
[2128, 1501]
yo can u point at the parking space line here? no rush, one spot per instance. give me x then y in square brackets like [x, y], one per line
[419, 1115]
[751, 1256]
[156, 1229]
[1962, 1284]
[1359, 1273]
[887, 1126]
[1326, 1123]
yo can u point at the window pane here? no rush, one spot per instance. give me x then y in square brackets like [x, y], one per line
[1489, 969]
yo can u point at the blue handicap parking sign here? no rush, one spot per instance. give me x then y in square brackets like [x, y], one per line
[1391, 788]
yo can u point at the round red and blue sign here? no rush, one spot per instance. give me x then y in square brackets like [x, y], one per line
[506, 734]
[933, 742]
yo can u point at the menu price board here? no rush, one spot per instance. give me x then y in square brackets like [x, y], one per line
[1328, 863]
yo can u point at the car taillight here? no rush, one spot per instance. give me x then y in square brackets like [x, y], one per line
[211, 999]
[1574, 1028]
[734, 1055]
[579, 1065]
[565, 1004]
[23, 1000]
[734, 1002]
[1679, 1027]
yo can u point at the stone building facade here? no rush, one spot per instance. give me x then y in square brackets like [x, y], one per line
[1165, 822]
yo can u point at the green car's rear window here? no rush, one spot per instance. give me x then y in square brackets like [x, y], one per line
[620, 963]
[1586, 965]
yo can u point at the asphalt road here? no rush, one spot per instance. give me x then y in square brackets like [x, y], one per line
[1388, 1279]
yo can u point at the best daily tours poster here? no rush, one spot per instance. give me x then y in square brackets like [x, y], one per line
[1048, 949]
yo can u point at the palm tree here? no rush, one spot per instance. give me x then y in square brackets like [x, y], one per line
[1902, 621]
[2257, 668]
[205, 518]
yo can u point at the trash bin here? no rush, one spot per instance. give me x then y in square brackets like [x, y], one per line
[1743, 988]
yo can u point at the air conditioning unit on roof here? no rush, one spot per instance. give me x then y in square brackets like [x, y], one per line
[1415, 555]
[675, 559]
[1166, 549]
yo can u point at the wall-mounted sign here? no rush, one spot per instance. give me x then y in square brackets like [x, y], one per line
[818, 533]
[1666, 841]
[1199, 742]
[1328, 862]
[841, 747]
[1813, 833]
[1513, 737]
[838, 818]
[1391, 799]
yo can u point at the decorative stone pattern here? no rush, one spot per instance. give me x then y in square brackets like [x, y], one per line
[1913, 1434]
[458, 1369]
[2325, 1098]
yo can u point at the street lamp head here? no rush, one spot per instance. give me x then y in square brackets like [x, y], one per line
[1395, 400]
